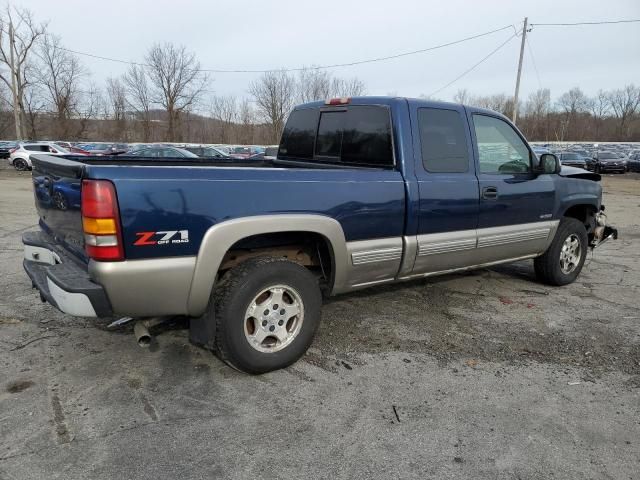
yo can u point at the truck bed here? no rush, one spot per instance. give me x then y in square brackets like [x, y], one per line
[159, 195]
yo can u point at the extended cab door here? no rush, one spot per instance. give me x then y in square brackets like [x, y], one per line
[516, 204]
[448, 189]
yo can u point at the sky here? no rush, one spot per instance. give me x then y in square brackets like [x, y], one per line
[253, 34]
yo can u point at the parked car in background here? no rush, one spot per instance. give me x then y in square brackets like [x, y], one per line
[223, 148]
[605, 161]
[633, 164]
[206, 152]
[105, 148]
[271, 153]
[245, 151]
[571, 159]
[161, 151]
[6, 147]
[540, 151]
[20, 157]
[583, 153]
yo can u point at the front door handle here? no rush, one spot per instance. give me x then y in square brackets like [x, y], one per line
[490, 192]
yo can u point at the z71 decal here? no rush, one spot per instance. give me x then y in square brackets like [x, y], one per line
[162, 238]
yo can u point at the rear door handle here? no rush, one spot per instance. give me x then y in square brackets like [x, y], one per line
[490, 192]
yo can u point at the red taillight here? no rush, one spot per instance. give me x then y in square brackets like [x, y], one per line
[101, 221]
[338, 101]
[12, 150]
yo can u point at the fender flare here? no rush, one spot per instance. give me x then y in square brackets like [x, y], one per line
[221, 237]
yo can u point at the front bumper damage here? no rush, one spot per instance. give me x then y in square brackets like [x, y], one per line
[602, 232]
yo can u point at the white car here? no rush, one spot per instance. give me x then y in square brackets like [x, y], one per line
[20, 157]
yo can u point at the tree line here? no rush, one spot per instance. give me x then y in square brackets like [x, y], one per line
[167, 97]
[609, 115]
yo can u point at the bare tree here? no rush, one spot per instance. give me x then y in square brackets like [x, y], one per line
[35, 105]
[17, 53]
[536, 111]
[225, 110]
[117, 96]
[90, 103]
[177, 81]
[599, 106]
[499, 102]
[274, 95]
[573, 103]
[625, 103]
[60, 75]
[312, 85]
[462, 96]
[351, 87]
[138, 98]
[247, 119]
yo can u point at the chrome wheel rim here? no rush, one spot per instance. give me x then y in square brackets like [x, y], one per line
[273, 318]
[570, 254]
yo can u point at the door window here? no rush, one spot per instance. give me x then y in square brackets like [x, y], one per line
[443, 139]
[500, 148]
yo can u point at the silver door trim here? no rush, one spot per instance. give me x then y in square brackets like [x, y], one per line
[373, 261]
[374, 256]
[469, 267]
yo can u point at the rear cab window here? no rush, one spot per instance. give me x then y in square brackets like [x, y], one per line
[443, 141]
[355, 135]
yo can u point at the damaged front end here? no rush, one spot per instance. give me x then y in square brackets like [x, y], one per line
[602, 232]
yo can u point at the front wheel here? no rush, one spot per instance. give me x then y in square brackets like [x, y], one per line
[562, 262]
[267, 311]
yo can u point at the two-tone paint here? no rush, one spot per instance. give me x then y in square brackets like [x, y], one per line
[382, 225]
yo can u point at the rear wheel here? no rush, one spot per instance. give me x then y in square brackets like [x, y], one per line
[267, 311]
[20, 164]
[562, 262]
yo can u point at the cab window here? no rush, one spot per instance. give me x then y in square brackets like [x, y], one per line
[443, 141]
[500, 148]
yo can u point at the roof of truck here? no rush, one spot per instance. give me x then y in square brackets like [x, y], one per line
[388, 100]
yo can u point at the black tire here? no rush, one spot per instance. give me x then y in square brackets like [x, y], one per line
[547, 266]
[233, 296]
[20, 164]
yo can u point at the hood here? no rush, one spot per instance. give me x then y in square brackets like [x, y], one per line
[574, 172]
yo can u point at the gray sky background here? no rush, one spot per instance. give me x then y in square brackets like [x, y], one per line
[245, 34]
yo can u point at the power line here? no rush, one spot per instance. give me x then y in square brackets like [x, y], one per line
[533, 61]
[297, 69]
[584, 23]
[469, 70]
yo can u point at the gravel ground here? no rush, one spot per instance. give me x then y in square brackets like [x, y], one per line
[485, 375]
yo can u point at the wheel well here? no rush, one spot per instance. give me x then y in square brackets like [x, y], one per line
[308, 249]
[585, 214]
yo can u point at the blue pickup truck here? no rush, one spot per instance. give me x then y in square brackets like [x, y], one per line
[364, 191]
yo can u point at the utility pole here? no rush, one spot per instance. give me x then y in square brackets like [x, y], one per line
[14, 86]
[515, 96]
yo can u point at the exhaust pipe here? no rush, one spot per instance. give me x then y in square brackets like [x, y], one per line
[141, 331]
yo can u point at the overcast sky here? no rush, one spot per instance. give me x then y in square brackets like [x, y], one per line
[244, 34]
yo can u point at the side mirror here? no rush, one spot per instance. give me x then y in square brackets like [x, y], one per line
[549, 164]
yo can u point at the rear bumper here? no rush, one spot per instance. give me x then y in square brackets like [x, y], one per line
[62, 280]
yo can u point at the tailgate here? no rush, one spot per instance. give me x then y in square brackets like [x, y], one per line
[56, 183]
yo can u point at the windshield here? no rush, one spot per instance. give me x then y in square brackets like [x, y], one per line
[607, 156]
[60, 148]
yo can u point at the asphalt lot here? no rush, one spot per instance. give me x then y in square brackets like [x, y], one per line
[482, 375]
